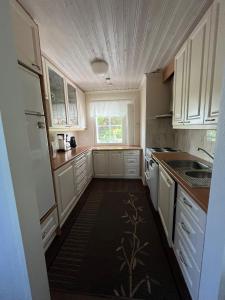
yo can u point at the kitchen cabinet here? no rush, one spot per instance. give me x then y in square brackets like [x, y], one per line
[196, 71]
[116, 165]
[216, 64]
[81, 109]
[199, 67]
[101, 163]
[48, 229]
[26, 37]
[189, 240]
[89, 165]
[180, 86]
[166, 203]
[113, 163]
[65, 190]
[66, 103]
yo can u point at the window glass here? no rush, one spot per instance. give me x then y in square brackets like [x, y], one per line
[109, 130]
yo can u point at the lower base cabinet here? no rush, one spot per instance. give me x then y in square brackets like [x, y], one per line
[48, 229]
[71, 181]
[189, 239]
[116, 164]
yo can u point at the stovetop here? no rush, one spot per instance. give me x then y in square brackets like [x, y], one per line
[150, 150]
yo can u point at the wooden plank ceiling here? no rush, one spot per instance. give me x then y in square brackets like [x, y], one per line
[133, 36]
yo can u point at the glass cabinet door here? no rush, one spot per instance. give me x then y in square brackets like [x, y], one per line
[72, 105]
[56, 83]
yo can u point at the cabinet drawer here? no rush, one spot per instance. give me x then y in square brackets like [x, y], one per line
[80, 169]
[191, 232]
[132, 172]
[80, 162]
[131, 152]
[197, 213]
[48, 228]
[190, 271]
[79, 178]
[131, 161]
[81, 185]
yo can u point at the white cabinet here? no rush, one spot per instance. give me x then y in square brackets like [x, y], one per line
[166, 203]
[66, 103]
[189, 240]
[81, 109]
[198, 45]
[65, 190]
[80, 173]
[48, 229]
[120, 164]
[89, 165]
[216, 63]
[101, 163]
[116, 166]
[199, 69]
[26, 37]
[180, 86]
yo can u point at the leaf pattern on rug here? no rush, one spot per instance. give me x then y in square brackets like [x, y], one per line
[132, 252]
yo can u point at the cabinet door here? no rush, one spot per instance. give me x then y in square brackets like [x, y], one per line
[89, 165]
[65, 190]
[72, 113]
[198, 47]
[179, 86]
[166, 203]
[26, 37]
[81, 109]
[216, 63]
[116, 164]
[57, 98]
[101, 163]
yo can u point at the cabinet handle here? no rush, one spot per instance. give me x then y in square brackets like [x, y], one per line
[187, 203]
[41, 125]
[182, 259]
[184, 228]
[187, 122]
[180, 122]
[36, 66]
[210, 120]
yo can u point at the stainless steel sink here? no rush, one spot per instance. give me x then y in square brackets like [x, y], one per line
[195, 173]
[199, 174]
[192, 164]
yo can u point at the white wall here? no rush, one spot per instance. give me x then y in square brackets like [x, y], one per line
[190, 139]
[87, 137]
[22, 265]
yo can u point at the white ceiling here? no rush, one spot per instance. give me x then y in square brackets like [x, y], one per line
[133, 36]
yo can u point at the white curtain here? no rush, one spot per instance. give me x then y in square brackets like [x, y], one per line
[120, 108]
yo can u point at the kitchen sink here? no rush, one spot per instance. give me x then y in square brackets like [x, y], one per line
[195, 173]
[199, 174]
[192, 164]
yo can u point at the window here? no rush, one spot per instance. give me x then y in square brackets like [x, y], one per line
[109, 129]
[113, 121]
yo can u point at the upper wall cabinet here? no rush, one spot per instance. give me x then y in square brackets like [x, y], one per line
[199, 72]
[26, 38]
[66, 104]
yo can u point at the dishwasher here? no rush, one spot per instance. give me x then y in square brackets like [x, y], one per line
[166, 203]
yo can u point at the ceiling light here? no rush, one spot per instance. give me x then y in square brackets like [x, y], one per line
[99, 66]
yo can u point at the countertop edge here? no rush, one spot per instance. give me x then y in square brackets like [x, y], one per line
[88, 148]
[181, 181]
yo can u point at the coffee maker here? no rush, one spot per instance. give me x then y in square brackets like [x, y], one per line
[63, 143]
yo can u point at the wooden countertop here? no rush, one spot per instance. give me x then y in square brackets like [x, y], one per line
[64, 157]
[200, 195]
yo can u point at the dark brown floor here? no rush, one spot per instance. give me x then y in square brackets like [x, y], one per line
[104, 186]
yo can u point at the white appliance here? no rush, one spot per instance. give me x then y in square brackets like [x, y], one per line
[166, 203]
[36, 129]
[152, 172]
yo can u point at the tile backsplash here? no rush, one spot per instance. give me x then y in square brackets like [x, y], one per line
[190, 139]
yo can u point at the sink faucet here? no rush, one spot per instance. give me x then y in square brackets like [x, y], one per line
[206, 152]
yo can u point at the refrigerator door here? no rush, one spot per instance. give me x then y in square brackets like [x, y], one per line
[31, 91]
[40, 162]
